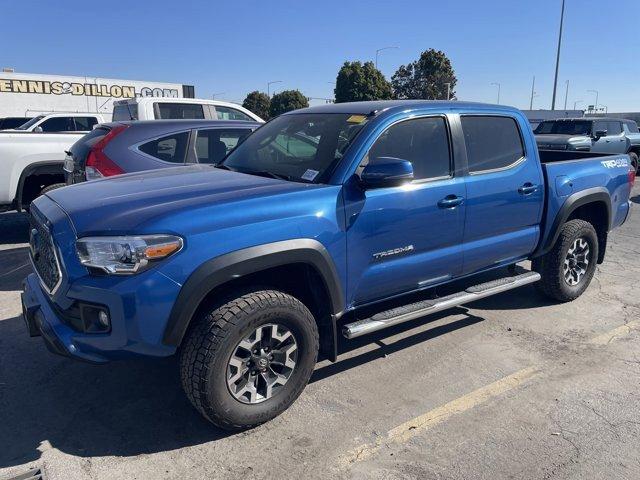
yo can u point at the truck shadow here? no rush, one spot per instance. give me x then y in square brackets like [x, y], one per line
[15, 267]
[635, 199]
[138, 407]
[14, 228]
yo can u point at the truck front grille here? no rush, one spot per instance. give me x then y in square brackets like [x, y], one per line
[42, 251]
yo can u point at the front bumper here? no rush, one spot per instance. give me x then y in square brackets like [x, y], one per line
[135, 331]
[41, 320]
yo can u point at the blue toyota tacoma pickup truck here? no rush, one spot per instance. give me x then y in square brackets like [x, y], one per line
[334, 220]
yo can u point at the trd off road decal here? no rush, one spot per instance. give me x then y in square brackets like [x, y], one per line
[618, 162]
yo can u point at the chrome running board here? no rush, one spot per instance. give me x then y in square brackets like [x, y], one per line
[412, 311]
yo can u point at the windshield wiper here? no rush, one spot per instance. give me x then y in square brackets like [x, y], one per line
[224, 167]
[266, 173]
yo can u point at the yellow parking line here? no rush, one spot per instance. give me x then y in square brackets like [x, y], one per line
[607, 337]
[407, 430]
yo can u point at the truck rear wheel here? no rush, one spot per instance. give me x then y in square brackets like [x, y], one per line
[567, 269]
[247, 361]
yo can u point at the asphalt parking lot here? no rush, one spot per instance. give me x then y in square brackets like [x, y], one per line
[513, 386]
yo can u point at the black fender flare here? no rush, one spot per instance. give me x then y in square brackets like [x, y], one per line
[574, 201]
[51, 167]
[222, 269]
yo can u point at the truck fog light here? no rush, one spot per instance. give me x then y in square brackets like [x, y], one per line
[103, 319]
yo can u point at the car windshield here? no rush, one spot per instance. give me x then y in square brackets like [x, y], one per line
[25, 126]
[564, 127]
[300, 147]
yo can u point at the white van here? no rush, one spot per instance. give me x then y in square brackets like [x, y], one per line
[153, 108]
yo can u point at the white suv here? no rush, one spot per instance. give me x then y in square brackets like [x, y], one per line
[153, 108]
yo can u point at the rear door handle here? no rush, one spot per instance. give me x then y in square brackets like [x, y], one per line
[527, 189]
[450, 201]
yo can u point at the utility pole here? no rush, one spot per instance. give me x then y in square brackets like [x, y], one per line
[595, 105]
[576, 103]
[555, 80]
[448, 84]
[566, 94]
[533, 92]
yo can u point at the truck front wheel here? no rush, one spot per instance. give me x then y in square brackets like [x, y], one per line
[246, 361]
[567, 269]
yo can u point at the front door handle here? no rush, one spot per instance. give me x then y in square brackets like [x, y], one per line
[527, 189]
[450, 201]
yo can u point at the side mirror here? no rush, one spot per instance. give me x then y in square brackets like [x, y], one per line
[600, 133]
[38, 129]
[386, 172]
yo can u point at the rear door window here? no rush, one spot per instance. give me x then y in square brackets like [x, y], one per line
[214, 144]
[614, 128]
[58, 124]
[632, 127]
[179, 110]
[227, 113]
[492, 142]
[85, 124]
[171, 148]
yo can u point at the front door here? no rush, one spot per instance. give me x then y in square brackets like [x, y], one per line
[405, 238]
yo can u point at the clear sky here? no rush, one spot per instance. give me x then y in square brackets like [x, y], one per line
[236, 47]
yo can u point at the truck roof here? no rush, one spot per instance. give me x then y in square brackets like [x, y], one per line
[368, 107]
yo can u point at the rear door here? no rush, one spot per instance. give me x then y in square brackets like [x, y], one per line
[504, 192]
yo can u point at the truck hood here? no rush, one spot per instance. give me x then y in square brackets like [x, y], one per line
[561, 139]
[126, 203]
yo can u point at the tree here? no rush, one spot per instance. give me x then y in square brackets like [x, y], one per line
[258, 103]
[358, 82]
[286, 101]
[425, 78]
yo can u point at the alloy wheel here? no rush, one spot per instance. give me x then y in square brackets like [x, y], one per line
[262, 363]
[576, 262]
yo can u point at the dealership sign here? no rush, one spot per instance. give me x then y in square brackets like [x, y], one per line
[46, 87]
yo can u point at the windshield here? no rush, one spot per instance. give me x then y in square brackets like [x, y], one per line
[564, 128]
[25, 126]
[298, 147]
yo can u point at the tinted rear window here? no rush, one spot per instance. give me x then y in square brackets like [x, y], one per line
[85, 124]
[178, 110]
[492, 142]
[126, 111]
[171, 148]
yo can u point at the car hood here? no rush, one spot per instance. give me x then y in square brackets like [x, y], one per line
[561, 139]
[125, 203]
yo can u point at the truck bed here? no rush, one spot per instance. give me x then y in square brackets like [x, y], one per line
[568, 172]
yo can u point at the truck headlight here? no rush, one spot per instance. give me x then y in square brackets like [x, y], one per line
[127, 254]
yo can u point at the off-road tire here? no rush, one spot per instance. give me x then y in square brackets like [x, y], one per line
[210, 343]
[550, 265]
[634, 160]
[50, 188]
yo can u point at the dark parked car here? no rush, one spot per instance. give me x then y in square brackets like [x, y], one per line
[124, 147]
[7, 123]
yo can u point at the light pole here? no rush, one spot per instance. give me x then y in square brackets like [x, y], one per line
[575, 104]
[497, 85]
[269, 86]
[533, 92]
[566, 94]
[555, 80]
[597, 93]
[448, 84]
[380, 50]
[213, 95]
